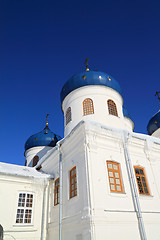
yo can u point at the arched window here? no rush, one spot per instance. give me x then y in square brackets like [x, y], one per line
[35, 161]
[68, 117]
[112, 109]
[73, 182]
[114, 175]
[141, 180]
[56, 192]
[88, 106]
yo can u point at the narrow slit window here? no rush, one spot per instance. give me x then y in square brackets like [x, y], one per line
[56, 192]
[88, 106]
[35, 161]
[114, 176]
[68, 116]
[141, 181]
[112, 108]
[24, 210]
[73, 183]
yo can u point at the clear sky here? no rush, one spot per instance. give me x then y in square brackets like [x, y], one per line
[43, 43]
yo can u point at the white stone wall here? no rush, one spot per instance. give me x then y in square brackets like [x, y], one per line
[75, 211]
[10, 187]
[114, 214]
[97, 213]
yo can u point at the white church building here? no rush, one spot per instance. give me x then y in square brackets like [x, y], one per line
[100, 182]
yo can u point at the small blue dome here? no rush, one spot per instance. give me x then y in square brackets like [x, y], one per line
[43, 138]
[154, 123]
[89, 78]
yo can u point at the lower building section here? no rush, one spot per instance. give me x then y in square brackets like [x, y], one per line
[112, 226]
[77, 230]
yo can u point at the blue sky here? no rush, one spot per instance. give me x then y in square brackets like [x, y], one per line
[43, 43]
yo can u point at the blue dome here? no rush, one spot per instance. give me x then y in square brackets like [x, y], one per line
[154, 123]
[43, 138]
[89, 78]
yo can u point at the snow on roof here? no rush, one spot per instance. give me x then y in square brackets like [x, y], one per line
[16, 170]
[91, 123]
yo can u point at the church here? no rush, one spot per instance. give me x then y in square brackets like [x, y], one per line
[100, 182]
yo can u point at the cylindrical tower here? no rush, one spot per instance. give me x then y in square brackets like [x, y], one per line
[95, 96]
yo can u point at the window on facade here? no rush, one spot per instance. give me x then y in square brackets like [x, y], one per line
[24, 210]
[73, 183]
[88, 106]
[35, 161]
[112, 107]
[114, 176]
[141, 181]
[56, 192]
[68, 115]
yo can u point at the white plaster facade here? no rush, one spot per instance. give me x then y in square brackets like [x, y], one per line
[96, 213]
[15, 180]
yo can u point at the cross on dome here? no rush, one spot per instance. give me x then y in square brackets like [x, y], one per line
[157, 94]
[47, 119]
[86, 63]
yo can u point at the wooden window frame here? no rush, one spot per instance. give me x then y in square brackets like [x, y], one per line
[68, 116]
[25, 208]
[141, 182]
[56, 192]
[114, 178]
[73, 184]
[112, 108]
[88, 107]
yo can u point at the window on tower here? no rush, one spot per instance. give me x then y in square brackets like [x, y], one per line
[114, 175]
[88, 106]
[112, 108]
[56, 192]
[35, 161]
[73, 182]
[68, 116]
[141, 181]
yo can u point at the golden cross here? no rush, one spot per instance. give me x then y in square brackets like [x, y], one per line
[47, 119]
[86, 63]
